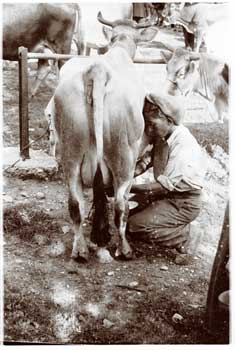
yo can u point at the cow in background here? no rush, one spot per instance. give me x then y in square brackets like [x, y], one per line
[40, 27]
[203, 73]
[99, 124]
[199, 20]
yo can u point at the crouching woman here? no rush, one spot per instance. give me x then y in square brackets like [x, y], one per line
[167, 205]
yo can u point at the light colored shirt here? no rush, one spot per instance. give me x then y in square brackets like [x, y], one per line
[185, 168]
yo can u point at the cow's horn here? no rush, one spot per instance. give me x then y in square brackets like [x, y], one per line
[194, 56]
[104, 21]
[128, 22]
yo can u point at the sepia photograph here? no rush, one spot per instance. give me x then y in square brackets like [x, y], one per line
[115, 173]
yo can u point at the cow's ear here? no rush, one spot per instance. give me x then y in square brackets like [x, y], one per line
[166, 55]
[107, 33]
[147, 34]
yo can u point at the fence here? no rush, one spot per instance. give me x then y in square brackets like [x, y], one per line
[23, 57]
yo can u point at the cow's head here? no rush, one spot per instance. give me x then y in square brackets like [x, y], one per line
[182, 71]
[127, 32]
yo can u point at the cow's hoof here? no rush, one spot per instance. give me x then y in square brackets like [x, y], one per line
[118, 253]
[80, 257]
[51, 154]
[72, 267]
[104, 256]
[128, 255]
[127, 251]
[31, 97]
[182, 249]
[92, 247]
[121, 256]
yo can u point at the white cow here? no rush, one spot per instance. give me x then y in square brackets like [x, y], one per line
[99, 124]
[203, 21]
[199, 72]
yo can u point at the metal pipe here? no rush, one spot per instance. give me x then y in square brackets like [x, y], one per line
[52, 56]
[150, 61]
[45, 56]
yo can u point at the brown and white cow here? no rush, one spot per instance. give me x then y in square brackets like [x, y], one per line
[189, 71]
[99, 125]
[40, 27]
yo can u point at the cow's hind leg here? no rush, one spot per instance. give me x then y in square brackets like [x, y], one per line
[221, 109]
[100, 226]
[77, 214]
[121, 216]
[188, 39]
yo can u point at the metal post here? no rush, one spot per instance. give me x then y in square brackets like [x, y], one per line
[23, 102]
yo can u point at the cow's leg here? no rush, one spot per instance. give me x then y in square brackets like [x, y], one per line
[100, 225]
[77, 214]
[221, 109]
[43, 71]
[87, 50]
[121, 216]
[50, 115]
[80, 47]
[64, 44]
[188, 39]
[199, 34]
[52, 142]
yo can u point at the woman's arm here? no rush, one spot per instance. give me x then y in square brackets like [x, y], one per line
[152, 189]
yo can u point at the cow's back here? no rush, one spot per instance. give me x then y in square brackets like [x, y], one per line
[124, 93]
[34, 23]
[204, 13]
[124, 98]
[20, 27]
[123, 122]
[216, 72]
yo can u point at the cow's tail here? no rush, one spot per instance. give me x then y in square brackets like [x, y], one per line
[95, 81]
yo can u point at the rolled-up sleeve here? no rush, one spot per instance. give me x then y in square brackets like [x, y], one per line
[185, 168]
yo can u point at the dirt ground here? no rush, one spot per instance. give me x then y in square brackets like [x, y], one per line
[149, 300]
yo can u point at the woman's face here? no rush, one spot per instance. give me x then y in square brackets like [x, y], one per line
[157, 124]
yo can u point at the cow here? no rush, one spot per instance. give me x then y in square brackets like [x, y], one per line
[97, 111]
[203, 73]
[40, 27]
[198, 21]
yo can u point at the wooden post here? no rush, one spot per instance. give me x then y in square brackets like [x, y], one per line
[23, 102]
[219, 280]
